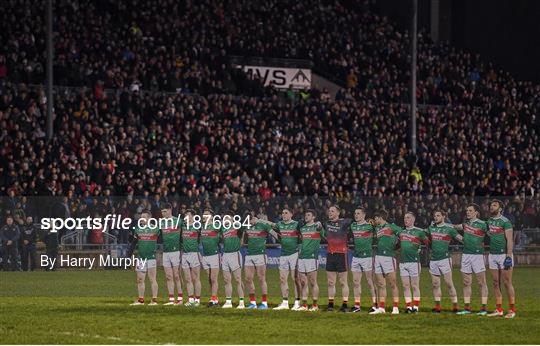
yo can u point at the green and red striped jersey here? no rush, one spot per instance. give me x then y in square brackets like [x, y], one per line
[441, 237]
[147, 242]
[387, 236]
[311, 241]
[411, 240]
[363, 235]
[474, 232]
[288, 237]
[190, 238]
[256, 238]
[210, 237]
[497, 227]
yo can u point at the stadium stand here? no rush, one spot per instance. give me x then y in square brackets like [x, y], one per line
[153, 107]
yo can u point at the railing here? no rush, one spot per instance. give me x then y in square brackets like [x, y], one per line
[76, 240]
[527, 239]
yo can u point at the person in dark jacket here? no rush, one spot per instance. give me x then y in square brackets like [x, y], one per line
[28, 244]
[51, 247]
[9, 236]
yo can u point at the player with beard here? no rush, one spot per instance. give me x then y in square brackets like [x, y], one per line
[501, 259]
[440, 264]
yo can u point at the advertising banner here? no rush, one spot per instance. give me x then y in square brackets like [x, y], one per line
[281, 77]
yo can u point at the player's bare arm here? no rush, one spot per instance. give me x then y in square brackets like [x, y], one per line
[509, 234]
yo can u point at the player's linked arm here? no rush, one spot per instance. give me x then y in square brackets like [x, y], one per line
[350, 235]
[321, 229]
[429, 239]
[243, 239]
[273, 233]
[133, 244]
[397, 231]
[458, 226]
[268, 222]
[426, 239]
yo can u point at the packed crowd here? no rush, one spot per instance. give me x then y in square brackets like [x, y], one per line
[480, 137]
[178, 146]
[168, 45]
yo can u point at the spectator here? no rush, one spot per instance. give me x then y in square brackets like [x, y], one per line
[28, 245]
[9, 236]
[51, 248]
[3, 68]
[352, 79]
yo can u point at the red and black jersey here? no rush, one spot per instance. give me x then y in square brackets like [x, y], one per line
[337, 235]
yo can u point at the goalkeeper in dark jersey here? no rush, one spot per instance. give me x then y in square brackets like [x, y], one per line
[337, 234]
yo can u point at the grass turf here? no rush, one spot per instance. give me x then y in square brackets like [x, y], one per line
[92, 307]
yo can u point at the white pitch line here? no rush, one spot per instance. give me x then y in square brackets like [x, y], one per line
[97, 336]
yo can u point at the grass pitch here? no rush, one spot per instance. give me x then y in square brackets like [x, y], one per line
[92, 307]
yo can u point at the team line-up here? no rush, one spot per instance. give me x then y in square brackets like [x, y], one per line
[300, 246]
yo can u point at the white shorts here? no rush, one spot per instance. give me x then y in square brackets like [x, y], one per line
[171, 259]
[231, 261]
[363, 264]
[308, 265]
[384, 264]
[148, 264]
[255, 260]
[288, 262]
[191, 260]
[210, 262]
[496, 261]
[440, 267]
[409, 269]
[472, 263]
